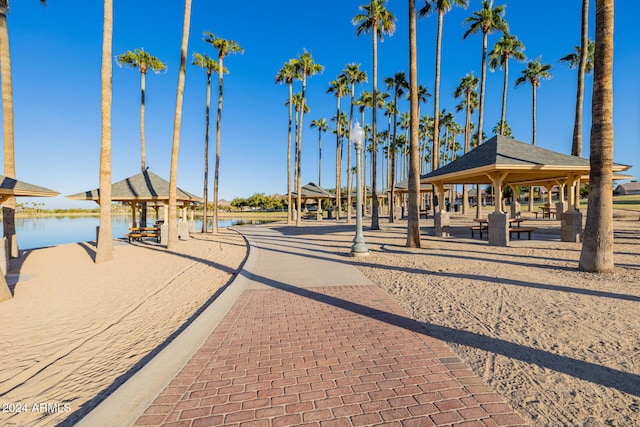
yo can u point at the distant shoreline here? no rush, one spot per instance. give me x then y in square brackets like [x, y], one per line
[198, 214]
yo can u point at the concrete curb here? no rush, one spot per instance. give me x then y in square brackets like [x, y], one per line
[125, 405]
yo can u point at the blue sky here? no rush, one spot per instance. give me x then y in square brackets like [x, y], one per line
[56, 53]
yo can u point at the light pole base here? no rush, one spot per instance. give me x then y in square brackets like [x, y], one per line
[359, 250]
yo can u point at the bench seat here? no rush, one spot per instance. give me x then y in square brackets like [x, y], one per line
[474, 228]
[519, 230]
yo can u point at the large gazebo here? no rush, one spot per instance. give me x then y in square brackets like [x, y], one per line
[145, 187]
[504, 161]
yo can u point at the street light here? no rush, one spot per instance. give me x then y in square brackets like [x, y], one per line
[359, 247]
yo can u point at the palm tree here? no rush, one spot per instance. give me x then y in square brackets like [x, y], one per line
[322, 126]
[224, 48]
[9, 205]
[339, 87]
[487, 20]
[399, 84]
[597, 249]
[210, 66]
[287, 74]
[502, 128]
[296, 100]
[442, 7]
[354, 75]
[104, 246]
[507, 47]
[172, 238]
[378, 20]
[143, 61]
[584, 67]
[467, 88]
[534, 72]
[306, 68]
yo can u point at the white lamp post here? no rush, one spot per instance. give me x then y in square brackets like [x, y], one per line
[359, 247]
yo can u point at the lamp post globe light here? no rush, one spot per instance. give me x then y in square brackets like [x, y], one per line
[359, 247]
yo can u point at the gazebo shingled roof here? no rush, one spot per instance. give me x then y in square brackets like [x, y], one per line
[522, 163]
[313, 191]
[143, 187]
[10, 187]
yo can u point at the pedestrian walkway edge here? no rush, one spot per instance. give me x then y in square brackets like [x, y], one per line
[123, 407]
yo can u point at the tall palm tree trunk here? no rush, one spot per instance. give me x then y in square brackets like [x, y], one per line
[413, 221]
[206, 155]
[467, 147]
[217, 166]
[319, 158]
[299, 151]
[504, 96]
[349, 182]
[392, 156]
[172, 238]
[576, 145]
[533, 141]
[289, 199]
[375, 225]
[436, 96]
[143, 150]
[481, 113]
[9, 205]
[339, 164]
[597, 249]
[104, 247]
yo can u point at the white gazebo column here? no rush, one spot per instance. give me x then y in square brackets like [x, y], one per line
[183, 225]
[571, 220]
[515, 204]
[441, 218]
[561, 205]
[498, 221]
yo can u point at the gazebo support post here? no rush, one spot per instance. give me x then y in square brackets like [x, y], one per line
[183, 224]
[319, 213]
[441, 218]
[133, 214]
[571, 220]
[515, 204]
[561, 204]
[498, 221]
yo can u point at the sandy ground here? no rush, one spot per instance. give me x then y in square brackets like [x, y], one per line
[75, 330]
[562, 346]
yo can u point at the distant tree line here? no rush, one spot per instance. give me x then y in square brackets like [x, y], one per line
[259, 201]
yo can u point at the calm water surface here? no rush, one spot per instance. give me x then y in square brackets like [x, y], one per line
[51, 231]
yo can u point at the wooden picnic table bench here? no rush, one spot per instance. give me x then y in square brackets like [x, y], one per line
[138, 233]
[519, 230]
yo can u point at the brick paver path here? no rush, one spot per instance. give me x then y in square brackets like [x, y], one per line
[289, 353]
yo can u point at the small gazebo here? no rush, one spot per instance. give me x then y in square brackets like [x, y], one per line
[143, 187]
[10, 187]
[312, 191]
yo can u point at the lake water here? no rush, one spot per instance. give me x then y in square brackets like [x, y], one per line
[51, 231]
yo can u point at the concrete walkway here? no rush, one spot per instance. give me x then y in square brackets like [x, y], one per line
[307, 340]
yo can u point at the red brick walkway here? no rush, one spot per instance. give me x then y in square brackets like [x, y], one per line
[324, 356]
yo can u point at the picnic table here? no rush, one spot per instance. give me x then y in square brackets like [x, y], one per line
[515, 226]
[138, 233]
[546, 212]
